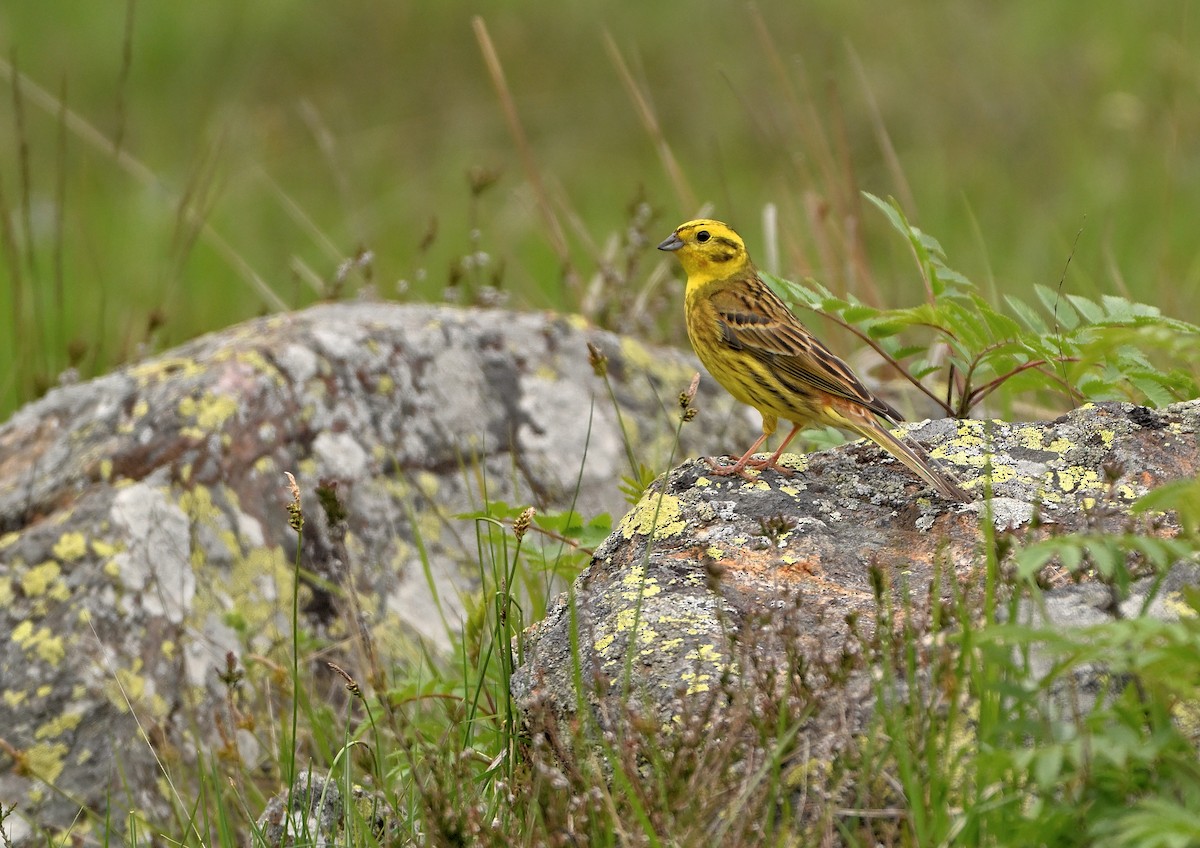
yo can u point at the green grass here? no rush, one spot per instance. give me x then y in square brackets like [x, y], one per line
[966, 748]
[262, 141]
[223, 159]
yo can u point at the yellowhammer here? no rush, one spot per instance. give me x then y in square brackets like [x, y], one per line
[756, 348]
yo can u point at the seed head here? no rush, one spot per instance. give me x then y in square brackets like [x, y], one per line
[522, 522]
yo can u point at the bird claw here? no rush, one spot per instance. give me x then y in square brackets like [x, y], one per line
[768, 465]
[722, 469]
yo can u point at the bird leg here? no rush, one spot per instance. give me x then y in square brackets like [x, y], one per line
[773, 462]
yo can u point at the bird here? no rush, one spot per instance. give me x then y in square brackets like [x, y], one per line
[752, 344]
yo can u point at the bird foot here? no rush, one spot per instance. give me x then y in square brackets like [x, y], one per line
[724, 469]
[729, 469]
[770, 465]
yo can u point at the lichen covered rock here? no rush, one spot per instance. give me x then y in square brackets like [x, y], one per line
[144, 533]
[719, 583]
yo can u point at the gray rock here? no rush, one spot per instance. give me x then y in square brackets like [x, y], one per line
[314, 815]
[144, 534]
[717, 584]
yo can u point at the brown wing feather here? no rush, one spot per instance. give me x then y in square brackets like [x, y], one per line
[754, 319]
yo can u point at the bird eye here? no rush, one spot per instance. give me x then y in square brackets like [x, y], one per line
[702, 236]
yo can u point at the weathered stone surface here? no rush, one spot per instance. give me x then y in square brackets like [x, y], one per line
[709, 576]
[143, 530]
[313, 815]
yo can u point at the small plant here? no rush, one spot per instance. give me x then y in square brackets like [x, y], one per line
[1070, 345]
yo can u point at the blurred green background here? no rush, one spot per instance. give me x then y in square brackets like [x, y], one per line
[156, 159]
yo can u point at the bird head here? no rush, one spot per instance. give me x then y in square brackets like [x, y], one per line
[707, 247]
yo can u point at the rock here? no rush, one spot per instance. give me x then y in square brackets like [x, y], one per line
[317, 817]
[716, 586]
[144, 533]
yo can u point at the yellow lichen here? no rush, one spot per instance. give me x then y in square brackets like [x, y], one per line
[45, 760]
[22, 632]
[14, 698]
[638, 585]
[197, 504]
[58, 726]
[625, 619]
[261, 365]
[209, 411]
[636, 355]
[49, 648]
[38, 579]
[102, 548]
[1175, 603]
[1077, 479]
[795, 461]
[696, 682]
[654, 513]
[129, 687]
[176, 367]
[1002, 473]
[1187, 717]
[1030, 437]
[70, 547]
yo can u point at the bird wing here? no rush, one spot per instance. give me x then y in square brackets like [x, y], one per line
[753, 318]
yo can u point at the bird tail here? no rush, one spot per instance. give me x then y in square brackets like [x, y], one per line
[912, 455]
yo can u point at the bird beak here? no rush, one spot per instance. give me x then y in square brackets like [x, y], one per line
[673, 242]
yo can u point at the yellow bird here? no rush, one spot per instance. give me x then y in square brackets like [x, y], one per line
[755, 347]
